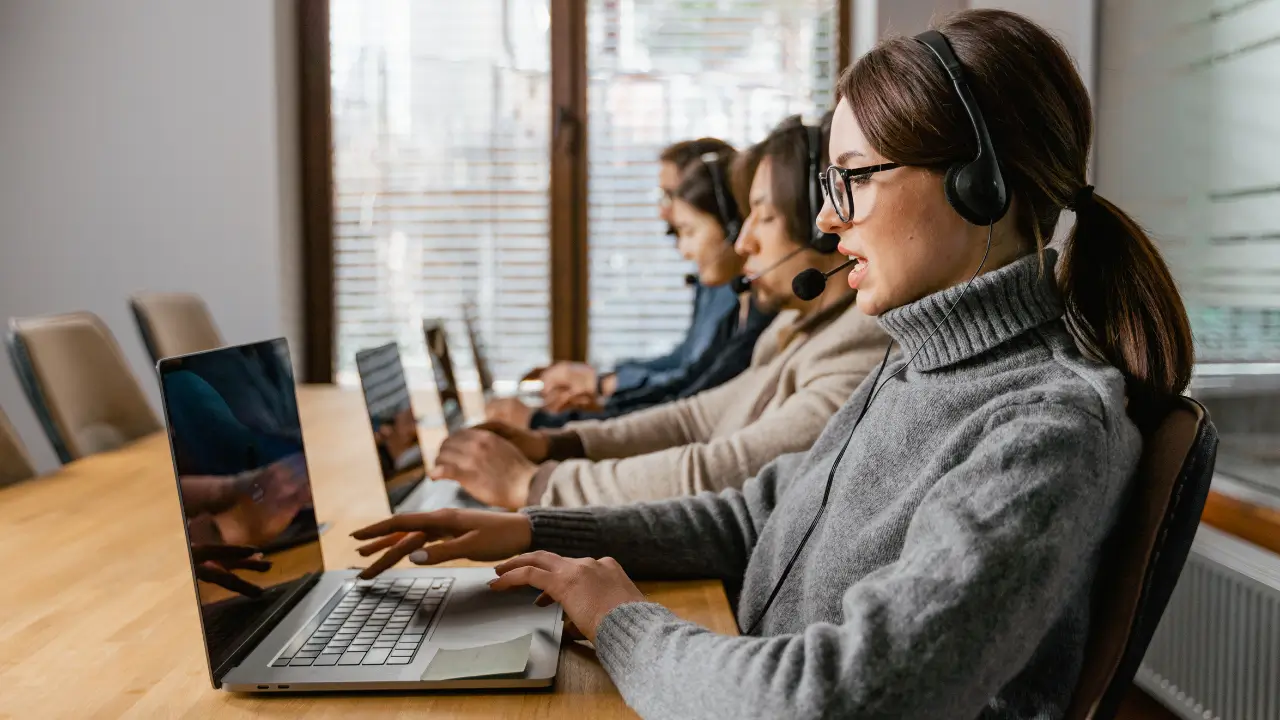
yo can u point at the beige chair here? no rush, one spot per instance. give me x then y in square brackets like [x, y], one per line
[15, 465]
[174, 324]
[1144, 556]
[79, 384]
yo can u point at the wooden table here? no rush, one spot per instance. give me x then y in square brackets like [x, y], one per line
[98, 616]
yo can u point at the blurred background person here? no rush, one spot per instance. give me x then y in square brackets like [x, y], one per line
[568, 385]
[706, 217]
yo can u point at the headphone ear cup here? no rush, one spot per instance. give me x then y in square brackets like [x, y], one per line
[953, 185]
[825, 243]
[952, 192]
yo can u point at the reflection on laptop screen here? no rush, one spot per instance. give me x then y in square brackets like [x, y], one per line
[243, 486]
[395, 429]
[442, 367]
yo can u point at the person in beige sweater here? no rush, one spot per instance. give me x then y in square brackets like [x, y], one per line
[803, 369]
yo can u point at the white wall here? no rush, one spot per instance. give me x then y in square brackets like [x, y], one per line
[146, 145]
[1072, 21]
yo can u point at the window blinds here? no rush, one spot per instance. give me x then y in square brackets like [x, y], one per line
[660, 71]
[441, 131]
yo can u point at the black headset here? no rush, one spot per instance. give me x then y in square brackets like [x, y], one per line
[975, 188]
[977, 191]
[823, 242]
[726, 206]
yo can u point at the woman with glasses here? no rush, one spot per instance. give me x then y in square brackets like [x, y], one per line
[933, 555]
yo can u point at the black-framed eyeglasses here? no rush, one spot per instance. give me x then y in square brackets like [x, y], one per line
[837, 185]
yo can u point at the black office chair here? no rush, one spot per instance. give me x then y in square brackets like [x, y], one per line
[1144, 555]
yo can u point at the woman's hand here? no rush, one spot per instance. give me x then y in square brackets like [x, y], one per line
[587, 588]
[573, 377]
[559, 400]
[455, 534]
[493, 470]
[509, 411]
[535, 445]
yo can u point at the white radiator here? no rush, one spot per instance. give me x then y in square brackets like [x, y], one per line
[1216, 652]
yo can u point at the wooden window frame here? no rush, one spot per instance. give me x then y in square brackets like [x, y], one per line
[568, 194]
[568, 236]
[316, 119]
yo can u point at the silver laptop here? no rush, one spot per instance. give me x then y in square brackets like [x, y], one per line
[479, 353]
[272, 618]
[395, 435]
[528, 391]
[442, 370]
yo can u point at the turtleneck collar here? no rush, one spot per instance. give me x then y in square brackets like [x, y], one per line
[999, 306]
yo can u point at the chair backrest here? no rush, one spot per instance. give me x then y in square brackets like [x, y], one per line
[1144, 555]
[15, 464]
[79, 384]
[174, 324]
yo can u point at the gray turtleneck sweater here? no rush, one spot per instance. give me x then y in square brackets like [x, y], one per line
[950, 574]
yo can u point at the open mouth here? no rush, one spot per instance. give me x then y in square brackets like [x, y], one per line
[857, 270]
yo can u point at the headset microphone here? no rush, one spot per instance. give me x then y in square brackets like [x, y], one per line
[742, 283]
[809, 284]
[691, 279]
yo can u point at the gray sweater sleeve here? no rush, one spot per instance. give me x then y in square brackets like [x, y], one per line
[703, 536]
[994, 552]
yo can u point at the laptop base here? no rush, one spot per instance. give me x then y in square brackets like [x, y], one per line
[436, 494]
[472, 615]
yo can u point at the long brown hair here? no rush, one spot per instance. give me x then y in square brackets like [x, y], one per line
[1121, 302]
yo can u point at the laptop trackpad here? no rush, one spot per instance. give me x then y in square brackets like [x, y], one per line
[504, 658]
[476, 615]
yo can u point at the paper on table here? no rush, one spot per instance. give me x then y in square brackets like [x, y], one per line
[504, 658]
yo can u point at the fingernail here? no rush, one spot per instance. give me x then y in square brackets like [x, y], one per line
[491, 582]
[418, 557]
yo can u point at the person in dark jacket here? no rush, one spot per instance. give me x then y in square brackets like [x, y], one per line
[733, 343]
[563, 381]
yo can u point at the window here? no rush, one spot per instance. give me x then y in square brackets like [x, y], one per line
[660, 71]
[458, 163]
[440, 135]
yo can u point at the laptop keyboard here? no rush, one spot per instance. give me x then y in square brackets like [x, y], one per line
[381, 622]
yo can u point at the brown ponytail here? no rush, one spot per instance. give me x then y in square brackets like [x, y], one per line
[1123, 307]
[1121, 302]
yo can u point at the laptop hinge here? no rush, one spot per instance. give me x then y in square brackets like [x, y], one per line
[269, 620]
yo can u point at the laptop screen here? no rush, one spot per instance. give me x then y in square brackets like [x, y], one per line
[395, 428]
[478, 350]
[243, 486]
[442, 367]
